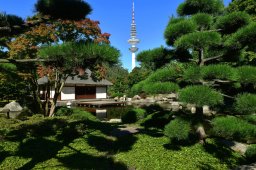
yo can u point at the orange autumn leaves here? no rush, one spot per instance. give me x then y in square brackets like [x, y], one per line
[53, 32]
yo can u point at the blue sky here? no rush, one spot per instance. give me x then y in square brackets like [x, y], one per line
[115, 18]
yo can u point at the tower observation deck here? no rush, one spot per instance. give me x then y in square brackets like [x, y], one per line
[133, 41]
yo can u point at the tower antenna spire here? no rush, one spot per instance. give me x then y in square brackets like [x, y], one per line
[133, 41]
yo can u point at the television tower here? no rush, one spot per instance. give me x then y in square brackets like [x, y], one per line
[133, 40]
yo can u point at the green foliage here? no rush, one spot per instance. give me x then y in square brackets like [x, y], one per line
[251, 152]
[155, 58]
[117, 75]
[198, 40]
[133, 115]
[63, 111]
[233, 128]
[82, 115]
[168, 73]
[243, 37]
[190, 7]
[176, 29]
[250, 118]
[245, 103]
[247, 74]
[203, 21]
[230, 23]
[200, 95]
[160, 88]
[138, 88]
[219, 71]
[63, 9]
[138, 74]
[11, 25]
[192, 74]
[70, 55]
[177, 130]
[248, 6]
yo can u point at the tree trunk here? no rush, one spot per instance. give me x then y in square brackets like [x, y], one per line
[201, 57]
[201, 134]
[58, 90]
[47, 99]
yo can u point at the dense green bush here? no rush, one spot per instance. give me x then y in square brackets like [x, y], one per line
[137, 88]
[168, 73]
[133, 115]
[160, 88]
[232, 22]
[63, 111]
[177, 130]
[224, 72]
[251, 152]
[82, 115]
[200, 95]
[250, 118]
[246, 103]
[233, 128]
[74, 113]
[247, 74]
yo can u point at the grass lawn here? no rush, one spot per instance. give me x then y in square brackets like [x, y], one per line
[64, 143]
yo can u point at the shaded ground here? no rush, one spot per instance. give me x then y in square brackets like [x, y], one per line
[62, 143]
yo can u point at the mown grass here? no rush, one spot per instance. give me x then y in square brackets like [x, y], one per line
[64, 143]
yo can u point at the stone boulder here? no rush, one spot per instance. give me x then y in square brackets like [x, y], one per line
[13, 107]
[175, 106]
[206, 110]
[136, 97]
[172, 96]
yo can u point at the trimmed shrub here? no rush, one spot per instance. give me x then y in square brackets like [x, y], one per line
[200, 95]
[177, 130]
[137, 88]
[250, 118]
[82, 115]
[63, 111]
[247, 74]
[202, 20]
[230, 23]
[251, 152]
[224, 72]
[246, 103]
[133, 116]
[160, 88]
[233, 128]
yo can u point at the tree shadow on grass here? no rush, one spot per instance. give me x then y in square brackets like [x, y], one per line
[224, 154]
[39, 149]
[3, 154]
[86, 161]
[122, 143]
[42, 139]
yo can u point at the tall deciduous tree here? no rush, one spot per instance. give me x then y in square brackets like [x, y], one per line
[59, 22]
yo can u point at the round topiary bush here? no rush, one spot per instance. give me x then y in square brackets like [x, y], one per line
[220, 71]
[177, 130]
[63, 9]
[251, 153]
[133, 115]
[200, 95]
[82, 115]
[231, 127]
[246, 103]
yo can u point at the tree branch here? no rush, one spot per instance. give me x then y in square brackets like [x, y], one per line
[212, 58]
[23, 60]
